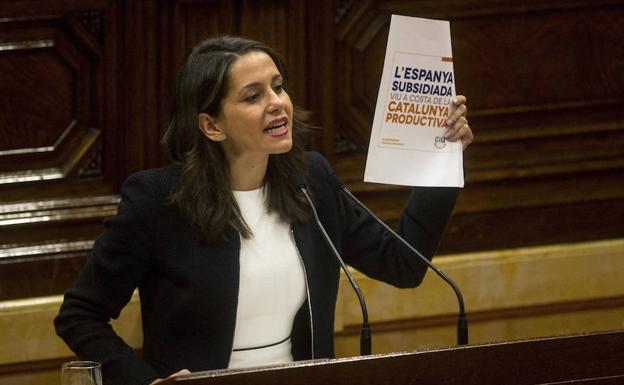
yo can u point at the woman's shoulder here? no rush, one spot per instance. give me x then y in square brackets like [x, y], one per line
[167, 174]
[156, 183]
[319, 172]
[317, 163]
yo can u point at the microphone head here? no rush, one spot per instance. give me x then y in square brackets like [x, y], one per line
[298, 181]
[335, 182]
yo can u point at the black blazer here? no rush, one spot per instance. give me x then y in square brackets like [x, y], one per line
[189, 290]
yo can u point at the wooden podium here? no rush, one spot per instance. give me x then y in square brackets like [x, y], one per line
[596, 359]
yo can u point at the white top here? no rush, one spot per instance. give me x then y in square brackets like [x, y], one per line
[272, 286]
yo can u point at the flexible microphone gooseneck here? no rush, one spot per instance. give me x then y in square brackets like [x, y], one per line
[365, 336]
[462, 322]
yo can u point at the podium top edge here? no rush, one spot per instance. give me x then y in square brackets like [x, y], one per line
[613, 336]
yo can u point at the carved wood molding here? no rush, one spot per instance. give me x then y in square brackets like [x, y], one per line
[84, 159]
[61, 209]
[48, 241]
[51, 106]
[93, 21]
[44, 251]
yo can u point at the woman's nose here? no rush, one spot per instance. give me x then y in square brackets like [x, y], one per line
[275, 101]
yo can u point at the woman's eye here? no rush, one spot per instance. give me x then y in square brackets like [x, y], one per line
[251, 98]
[278, 88]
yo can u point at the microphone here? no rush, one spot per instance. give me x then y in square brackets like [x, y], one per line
[365, 336]
[462, 322]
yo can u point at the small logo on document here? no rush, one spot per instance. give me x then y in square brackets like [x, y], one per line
[440, 142]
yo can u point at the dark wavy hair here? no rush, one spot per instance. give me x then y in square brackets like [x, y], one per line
[203, 195]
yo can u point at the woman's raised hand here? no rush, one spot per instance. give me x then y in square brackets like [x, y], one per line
[458, 128]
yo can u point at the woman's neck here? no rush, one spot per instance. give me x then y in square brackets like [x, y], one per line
[247, 173]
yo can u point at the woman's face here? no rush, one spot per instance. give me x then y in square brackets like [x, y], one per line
[256, 112]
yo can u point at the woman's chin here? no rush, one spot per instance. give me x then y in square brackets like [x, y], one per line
[282, 148]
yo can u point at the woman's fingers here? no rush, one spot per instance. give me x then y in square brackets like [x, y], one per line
[457, 123]
[458, 110]
[466, 136]
[459, 99]
[453, 132]
[180, 373]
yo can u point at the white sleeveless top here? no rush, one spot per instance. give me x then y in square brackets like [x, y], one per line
[272, 286]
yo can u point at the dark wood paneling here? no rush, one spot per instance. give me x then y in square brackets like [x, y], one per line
[320, 86]
[48, 242]
[49, 72]
[58, 139]
[541, 57]
[34, 74]
[52, 275]
[138, 129]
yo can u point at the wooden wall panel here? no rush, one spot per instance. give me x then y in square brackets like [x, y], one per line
[320, 88]
[51, 81]
[202, 20]
[138, 129]
[57, 114]
[49, 78]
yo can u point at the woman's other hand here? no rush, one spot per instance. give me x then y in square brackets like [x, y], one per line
[181, 372]
[458, 128]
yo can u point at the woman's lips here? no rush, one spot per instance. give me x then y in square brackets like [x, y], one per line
[277, 127]
[277, 131]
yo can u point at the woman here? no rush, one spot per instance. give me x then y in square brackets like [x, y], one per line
[230, 268]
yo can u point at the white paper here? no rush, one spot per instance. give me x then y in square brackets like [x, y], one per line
[407, 145]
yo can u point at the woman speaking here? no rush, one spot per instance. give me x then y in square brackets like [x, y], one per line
[231, 268]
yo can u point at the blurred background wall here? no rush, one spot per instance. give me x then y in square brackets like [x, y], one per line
[537, 236]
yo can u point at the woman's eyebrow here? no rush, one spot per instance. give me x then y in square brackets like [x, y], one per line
[258, 84]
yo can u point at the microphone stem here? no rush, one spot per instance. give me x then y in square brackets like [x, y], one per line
[365, 337]
[462, 322]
